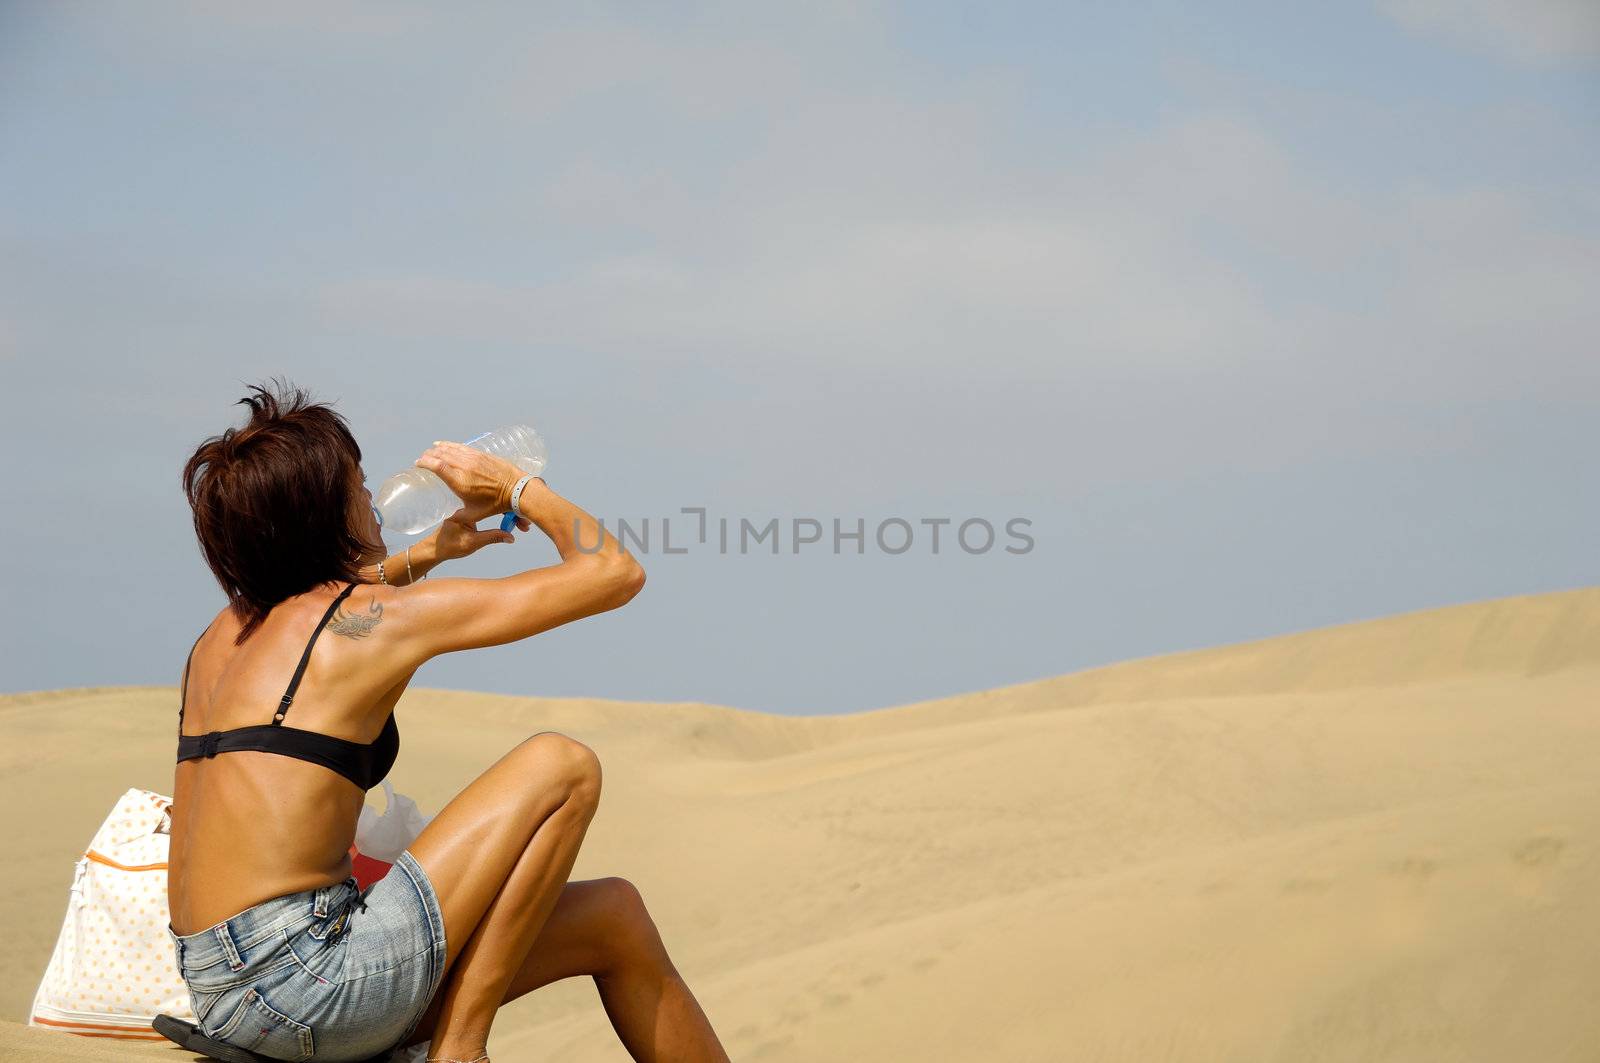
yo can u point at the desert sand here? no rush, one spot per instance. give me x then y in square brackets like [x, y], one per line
[1375, 841]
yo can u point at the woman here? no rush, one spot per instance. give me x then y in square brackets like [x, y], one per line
[282, 955]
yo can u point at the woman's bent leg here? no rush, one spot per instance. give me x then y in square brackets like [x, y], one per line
[498, 856]
[601, 928]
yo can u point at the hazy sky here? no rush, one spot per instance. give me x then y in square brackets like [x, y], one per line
[1265, 317]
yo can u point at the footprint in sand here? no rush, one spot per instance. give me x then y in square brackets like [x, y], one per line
[769, 1048]
[1535, 862]
[1414, 867]
[1538, 851]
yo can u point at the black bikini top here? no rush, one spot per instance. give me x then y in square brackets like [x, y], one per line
[364, 765]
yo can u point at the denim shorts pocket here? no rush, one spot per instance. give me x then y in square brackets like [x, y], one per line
[202, 1001]
[257, 1026]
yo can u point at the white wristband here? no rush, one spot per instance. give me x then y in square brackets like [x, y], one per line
[516, 494]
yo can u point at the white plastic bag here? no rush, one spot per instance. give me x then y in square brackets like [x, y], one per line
[414, 1054]
[384, 837]
[113, 969]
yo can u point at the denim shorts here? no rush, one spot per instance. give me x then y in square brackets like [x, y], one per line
[328, 974]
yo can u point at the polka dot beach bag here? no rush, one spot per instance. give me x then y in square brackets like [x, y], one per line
[113, 969]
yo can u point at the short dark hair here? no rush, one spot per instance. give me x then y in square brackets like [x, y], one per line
[272, 502]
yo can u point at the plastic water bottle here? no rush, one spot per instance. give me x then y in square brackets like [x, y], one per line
[415, 500]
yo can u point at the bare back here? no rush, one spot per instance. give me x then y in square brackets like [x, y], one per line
[250, 825]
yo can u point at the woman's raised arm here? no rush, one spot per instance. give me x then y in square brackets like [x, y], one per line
[446, 615]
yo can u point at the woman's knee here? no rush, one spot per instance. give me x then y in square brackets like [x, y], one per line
[574, 764]
[629, 927]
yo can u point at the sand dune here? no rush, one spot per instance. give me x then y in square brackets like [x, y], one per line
[1376, 841]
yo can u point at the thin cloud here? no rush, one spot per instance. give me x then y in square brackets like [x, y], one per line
[1202, 244]
[1528, 31]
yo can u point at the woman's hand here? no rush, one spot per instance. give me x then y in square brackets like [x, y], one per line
[458, 538]
[482, 481]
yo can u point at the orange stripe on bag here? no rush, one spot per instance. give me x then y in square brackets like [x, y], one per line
[106, 860]
[116, 1036]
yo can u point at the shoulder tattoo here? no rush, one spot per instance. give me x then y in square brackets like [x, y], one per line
[355, 625]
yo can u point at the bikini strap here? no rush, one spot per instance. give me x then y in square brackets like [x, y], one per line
[294, 684]
[183, 688]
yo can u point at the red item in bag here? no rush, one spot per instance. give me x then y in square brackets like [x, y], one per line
[366, 869]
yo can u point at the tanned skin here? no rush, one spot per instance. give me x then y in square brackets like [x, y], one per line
[249, 826]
